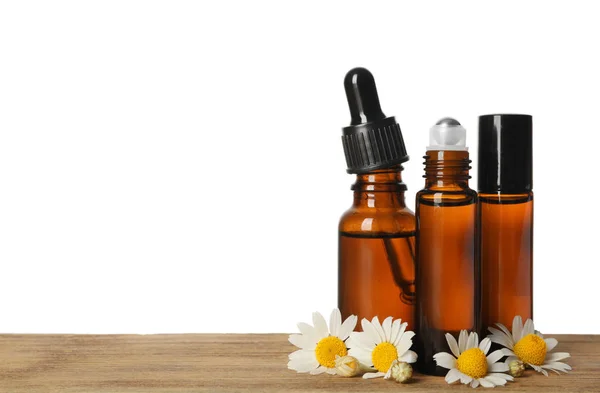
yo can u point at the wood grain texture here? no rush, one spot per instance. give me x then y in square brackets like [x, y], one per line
[225, 363]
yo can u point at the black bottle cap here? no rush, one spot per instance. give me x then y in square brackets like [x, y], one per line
[505, 159]
[372, 141]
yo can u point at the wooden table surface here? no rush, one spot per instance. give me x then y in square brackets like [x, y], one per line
[225, 363]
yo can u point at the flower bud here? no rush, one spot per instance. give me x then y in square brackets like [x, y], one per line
[347, 366]
[400, 372]
[516, 368]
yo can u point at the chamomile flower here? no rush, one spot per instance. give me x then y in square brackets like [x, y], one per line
[470, 364]
[528, 345]
[378, 345]
[320, 345]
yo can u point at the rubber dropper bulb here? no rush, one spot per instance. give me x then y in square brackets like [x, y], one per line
[362, 96]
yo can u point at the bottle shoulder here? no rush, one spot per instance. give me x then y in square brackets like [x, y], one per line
[505, 198]
[460, 197]
[447, 191]
[393, 221]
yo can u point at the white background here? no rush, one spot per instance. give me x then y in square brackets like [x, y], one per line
[177, 166]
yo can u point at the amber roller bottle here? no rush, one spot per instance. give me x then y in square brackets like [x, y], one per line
[446, 248]
[376, 235]
[505, 184]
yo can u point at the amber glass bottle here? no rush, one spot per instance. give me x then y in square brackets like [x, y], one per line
[376, 250]
[377, 234]
[446, 212]
[506, 218]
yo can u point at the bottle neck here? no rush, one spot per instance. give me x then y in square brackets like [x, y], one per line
[447, 170]
[380, 189]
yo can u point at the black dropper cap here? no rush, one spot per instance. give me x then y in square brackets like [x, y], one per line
[505, 159]
[372, 141]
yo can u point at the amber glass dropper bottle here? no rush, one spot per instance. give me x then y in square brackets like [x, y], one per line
[505, 185]
[376, 235]
[446, 247]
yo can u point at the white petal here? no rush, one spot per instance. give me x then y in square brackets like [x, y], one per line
[498, 367]
[318, 370]
[517, 327]
[297, 340]
[330, 371]
[360, 340]
[556, 356]
[387, 328]
[538, 369]
[462, 341]
[495, 332]
[378, 328]
[474, 383]
[485, 383]
[302, 354]
[445, 360]
[335, 322]
[405, 342]
[501, 341]
[300, 367]
[499, 337]
[473, 340]
[320, 325]
[464, 378]
[495, 356]
[373, 375]
[504, 330]
[557, 366]
[528, 328]
[395, 330]
[452, 344]
[400, 333]
[303, 365]
[453, 375]
[301, 341]
[495, 380]
[503, 376]
[357, 351]
[347, 327]
[363, 356]
[308, 331]
[509, 359]
[351, 343]
[305, 328]
[550, 343]
[354, 340]
[408, 357]
[369, 329]
[485, 345]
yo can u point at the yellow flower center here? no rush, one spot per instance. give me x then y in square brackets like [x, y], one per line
[383, 355]
[473, 363]
[531, 349]
[326, 350]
